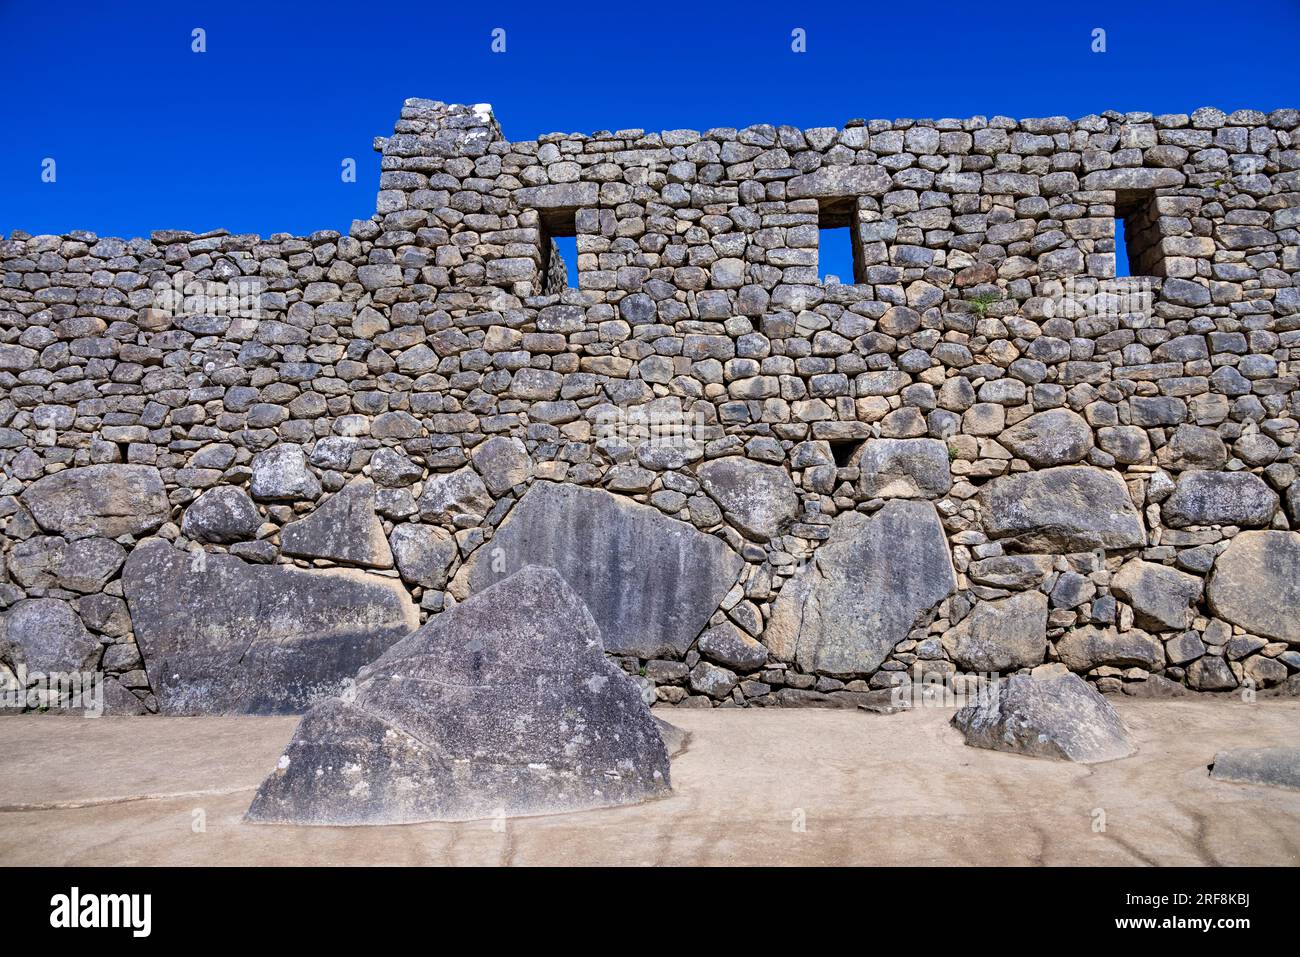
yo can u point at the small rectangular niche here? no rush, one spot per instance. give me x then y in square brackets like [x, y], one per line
[843, 450]
[559, 231]
[837, 240]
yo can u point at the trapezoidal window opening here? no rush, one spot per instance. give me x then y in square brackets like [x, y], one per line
[837, 240]
[843, 450]
[1137, 235]
[559, 245]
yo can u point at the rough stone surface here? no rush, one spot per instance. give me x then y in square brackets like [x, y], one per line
[505, 704]
[1083, 649]
[904, 468]
[1162, 597]
[758, 499]
[343, 528]
[223, 636]
[221, 515]
[864, 590]
[1220, 498]
[49, 637]
[651, 582]
[1001, 635]
[82, 565]
[1054, 437]
[459, 498]
[503, 463]
[1273, 767]
[1064, 509]
[108, 500]
[1256, 584]
[728, 645]
[424, 554]
[1060, 717]
[280, 473]
[1211, 673]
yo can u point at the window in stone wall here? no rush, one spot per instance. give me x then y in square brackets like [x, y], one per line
[842, 450]
[559, 233]
[837, 249]
[1137, 235]
[567, 247]
[1121, 250]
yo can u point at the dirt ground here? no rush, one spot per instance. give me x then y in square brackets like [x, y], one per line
[752, 787]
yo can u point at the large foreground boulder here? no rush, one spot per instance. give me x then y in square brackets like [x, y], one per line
[224, 636]
[108, 500]
[1071, 508]
[650, 581]
[863, 591]
[1277, 767]
[504, 704]
[1256, 584]
[1061, 717]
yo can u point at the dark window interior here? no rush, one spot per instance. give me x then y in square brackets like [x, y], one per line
[843, 449]
[1137, 238]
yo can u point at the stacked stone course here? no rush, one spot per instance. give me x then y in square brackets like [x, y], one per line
[979, 454]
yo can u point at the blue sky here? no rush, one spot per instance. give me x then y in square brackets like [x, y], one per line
[251, 134]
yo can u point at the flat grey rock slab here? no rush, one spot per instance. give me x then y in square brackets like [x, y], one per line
[223, 636]
[650, 581]
[108, 500]
[1256, 584]
[503, 705]
[342, 528]
[760, 500]
[1070, 508]
[1276, 767]
[1061, 717]
[864, 590]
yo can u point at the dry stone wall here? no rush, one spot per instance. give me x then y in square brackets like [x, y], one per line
[234, 466]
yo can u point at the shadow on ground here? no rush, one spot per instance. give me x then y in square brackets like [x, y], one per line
[752, 787]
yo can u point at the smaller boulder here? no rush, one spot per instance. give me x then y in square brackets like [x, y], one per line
[1060, 717]
[1086, 648]
[391, 469]
[904, 468]
[728, 645]
[280, 474]
[423, 553]
[459, 498]
[1193, 447]
[503, 462]
[50, 636]
[1162, 597]
[221, 515]
[758, 499]
[1220, 498]
[1275, 767]
[1001, 635]
[1054, 437]
[343, 528]
[1211, 673]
